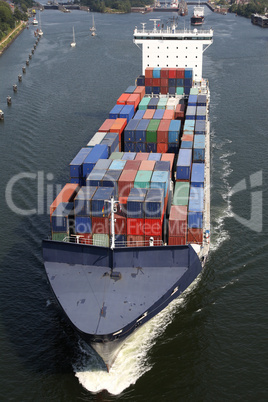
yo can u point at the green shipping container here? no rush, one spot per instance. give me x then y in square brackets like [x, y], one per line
[162, 103]
[179, 90]
[194, 91]
[59, 236]
[116, 155]
[144, 103]
[151, 131]
[101, 240]
[181, 193]
[142, 179]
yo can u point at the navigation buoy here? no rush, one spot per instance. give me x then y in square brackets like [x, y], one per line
[15, 87]
[9, 100]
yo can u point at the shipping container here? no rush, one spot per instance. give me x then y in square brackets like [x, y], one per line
[162, 147]
[180, 73]
[164, 72]
[162, 103]
[200, 127]
[127, 112]
[149, 72]
[123, 99]
[170, 158]
[195, 220]
[194, 91]
[198, 155]
[143, 156]
[94, 179]
[163, 166]
[147, 165]
[154, 203]
[181, 193]
[154, 157]
[151, 147]
[153, 227]
[82, 201]
[184, 163]
[195, 236]
[172, 104]
[160, 179]
[126, 182]
[117, 165]
[201, 113]
[134, 100]
[187, 137]
[141, 81]
[190, 113]
[102, 240]
[156, 72]
[139, 114]
[83, 224]
[129, 156]
[130, 89]
[62, 218]
[112, 143]
[162, 131]
[152, 103]
[144, 103]
[118, 126]
[130, 133]
[140, 133]
[140, 89]
[177, 223]
[67, 194]
[142, 179]
[135, 226]
[58, 236]
[106, 125]
[116, 155]
[179, 90]
[174, 131]
[177, 240]
[76, 165]
[96, 139]
[201, 100]
[102, 164]
[151, 132]
[115, 111]
[187, 144]
[180, 111]
[100, 151]
[110, 179]
[100, 225]
[99, 205]
[196, 199]
[169, 114]
[135, 201]
[132, 165]
[199, 141]
[192, 100]
[149, 113]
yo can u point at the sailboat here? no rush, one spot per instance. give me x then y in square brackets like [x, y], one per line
[40, 32]
[93, 29]
[73, 44]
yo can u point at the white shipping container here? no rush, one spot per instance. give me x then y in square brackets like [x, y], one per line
[96, 139]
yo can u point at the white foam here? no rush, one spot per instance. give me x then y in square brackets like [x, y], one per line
[132, 361]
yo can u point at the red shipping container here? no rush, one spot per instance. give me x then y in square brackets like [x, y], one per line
[135, 226]
[85, 238]
[107, 124]
[180, 112]
[135, 241]
[164, 90]
[177, 223]
[149, 72]
[134, 100]
[100, 225]
[147, 165]
[162, 147]
[164, 72]
[140, 90]
[142, 156]
[156, 82]
[168, 157]
[126, 182]
[123, 202]
[177, 240]
[67, 194]
[162, 136]
[148, 82]
[172, 73]
[149, 113]
[180, 73]
[118, 126]
[132, 165]
[187, 137]
[120, 224]
[168, 115]
[122, 99]
[153, 227]
[164, 82]
[195, 235]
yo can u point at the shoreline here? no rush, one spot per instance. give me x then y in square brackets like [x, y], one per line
[19, 31]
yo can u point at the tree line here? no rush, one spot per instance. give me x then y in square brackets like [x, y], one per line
[123, 6]
[8, 18]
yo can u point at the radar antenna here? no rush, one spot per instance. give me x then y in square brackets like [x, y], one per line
[155, 21]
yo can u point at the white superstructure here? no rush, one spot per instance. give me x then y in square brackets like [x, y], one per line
[171, 47]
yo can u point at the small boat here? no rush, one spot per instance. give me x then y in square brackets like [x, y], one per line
[9, 100]
[35, 22]
[1, 115]
[73, 44]
[15, 87]
[40, 32]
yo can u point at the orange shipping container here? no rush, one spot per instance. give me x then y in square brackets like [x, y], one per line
[147, 165]
[149, 113]
[126, 182]
[142, 156]
[134, 100]
[177, 223]
[149, 72]
[135, 241]
[118, 126]
[177, 240]
[107, 124]
[187, 137]
[168, 157]
[123, 99]
[162, 147]
[195, 235]
[168, 115]
[67, 194]
[140, 90]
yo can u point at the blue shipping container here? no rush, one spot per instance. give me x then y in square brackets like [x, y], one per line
[76, 169]
[103, 164]
[140, 146]
[187, 144]
[114, 113]
[163, 166]
[99, 205]
[83, 224]
[100, 151]
[139, 114]
[153, 103]
[154, 203]
[117, 165]
[198, 155]
[200, 127]
[129, 133]
[127, 112]
[135, 203]
[160, 179]
[199, 141]
[196, 199]
[188, 73]
[151, 147]
[198, 175]
[140, 133]
[61, 217]
[94, 179]
[156, 72]
[192, 100]
[129, 156]
[82, 201]
[184, 163]
[154, 157]
[201, 113]
[190, 113]
[158, 114]
[130, 89]
[201, 100]
[195, 220]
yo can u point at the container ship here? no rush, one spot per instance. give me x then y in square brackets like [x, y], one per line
[130, 230]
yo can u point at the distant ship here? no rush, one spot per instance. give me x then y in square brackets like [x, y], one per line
[198, 15]
[130, 231]
[183, 8]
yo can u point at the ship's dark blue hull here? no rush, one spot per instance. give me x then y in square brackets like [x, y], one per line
[107, 294]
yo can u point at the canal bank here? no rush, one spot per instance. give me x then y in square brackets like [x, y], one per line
[9, 39]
